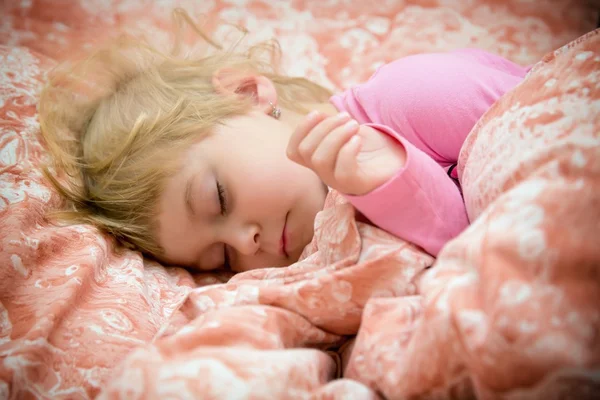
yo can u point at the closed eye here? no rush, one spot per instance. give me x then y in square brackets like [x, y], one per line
[222, 198]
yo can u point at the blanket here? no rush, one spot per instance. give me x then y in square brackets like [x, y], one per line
[506, 311]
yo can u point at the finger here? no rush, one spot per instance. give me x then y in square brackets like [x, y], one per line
[324, 158]
[303, 129]
[309, 144]
[346, 163]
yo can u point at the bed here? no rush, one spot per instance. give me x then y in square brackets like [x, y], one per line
[509, 309]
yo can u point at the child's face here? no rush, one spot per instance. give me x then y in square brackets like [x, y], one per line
[270, 202]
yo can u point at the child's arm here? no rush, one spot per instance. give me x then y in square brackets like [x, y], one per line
[419, 203]
[432, 100]
[395, 185]
[428, 104]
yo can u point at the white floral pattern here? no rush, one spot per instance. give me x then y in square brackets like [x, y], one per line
[509, 304]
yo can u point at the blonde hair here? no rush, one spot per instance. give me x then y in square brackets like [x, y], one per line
[117, 122]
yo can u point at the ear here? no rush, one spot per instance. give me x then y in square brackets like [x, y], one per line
[246, 85]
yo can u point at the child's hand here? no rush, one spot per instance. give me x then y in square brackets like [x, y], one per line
[349, 158]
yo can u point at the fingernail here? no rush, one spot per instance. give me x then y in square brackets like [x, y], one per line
[313, 114]
[343, 115]
[351, 124]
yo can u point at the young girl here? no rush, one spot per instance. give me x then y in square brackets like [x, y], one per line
[214, 161]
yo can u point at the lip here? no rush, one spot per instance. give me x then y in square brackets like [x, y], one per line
[284, 238]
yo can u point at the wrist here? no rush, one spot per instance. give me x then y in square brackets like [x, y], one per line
[391, 161]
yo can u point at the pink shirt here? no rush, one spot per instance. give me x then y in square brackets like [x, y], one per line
[429, 103]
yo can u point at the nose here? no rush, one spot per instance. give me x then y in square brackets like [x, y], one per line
[246, 239]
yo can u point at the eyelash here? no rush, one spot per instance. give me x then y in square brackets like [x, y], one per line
[222, 198]
[223, 204]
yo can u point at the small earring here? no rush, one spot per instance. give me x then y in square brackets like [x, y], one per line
[275, 112]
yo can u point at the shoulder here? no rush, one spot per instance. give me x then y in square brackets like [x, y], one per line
[428, 83]
[422, 73]
[414, 77]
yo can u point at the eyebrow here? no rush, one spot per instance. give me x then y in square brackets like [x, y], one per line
[188, 195]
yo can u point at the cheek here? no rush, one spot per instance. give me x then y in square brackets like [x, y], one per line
[291, 176]
[270, 164]
[271, 186]
[266, 166]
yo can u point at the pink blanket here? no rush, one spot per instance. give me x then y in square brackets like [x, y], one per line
[509, 311]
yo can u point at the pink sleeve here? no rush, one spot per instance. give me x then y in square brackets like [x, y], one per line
[434, 99]
[421, 204]
[429, 103]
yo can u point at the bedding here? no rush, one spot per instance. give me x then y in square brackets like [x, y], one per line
[507, 311]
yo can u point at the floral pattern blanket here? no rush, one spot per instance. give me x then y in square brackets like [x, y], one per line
[509, 310]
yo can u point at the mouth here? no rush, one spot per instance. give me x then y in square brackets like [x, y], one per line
[283, 243]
